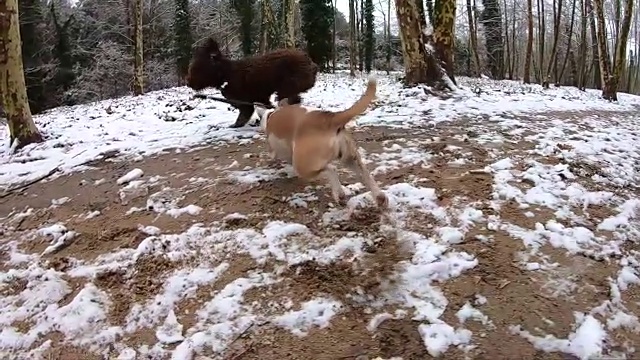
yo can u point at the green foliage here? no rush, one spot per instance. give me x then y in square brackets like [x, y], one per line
[462, 57]
[280, 14]
[63, 49]
[272, 29]
[247, 13]
[368, 34]
[183, 39]
[317, 23]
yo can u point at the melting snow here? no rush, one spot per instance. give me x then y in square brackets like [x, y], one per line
[138, 127]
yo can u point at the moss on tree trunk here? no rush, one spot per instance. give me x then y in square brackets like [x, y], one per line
[289, 25]
[12, 84]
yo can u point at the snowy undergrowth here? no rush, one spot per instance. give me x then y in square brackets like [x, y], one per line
[171, 118]
[567, 187]
[226, 314]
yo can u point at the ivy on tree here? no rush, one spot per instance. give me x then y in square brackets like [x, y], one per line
[183, 39]
[246, 13]
[368, 35]
[317, 22]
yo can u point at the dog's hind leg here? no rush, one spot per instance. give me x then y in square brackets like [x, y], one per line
[352, 159]
[245, 115]
[331, 174]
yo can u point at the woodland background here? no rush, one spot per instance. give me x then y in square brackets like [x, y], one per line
[77, 52]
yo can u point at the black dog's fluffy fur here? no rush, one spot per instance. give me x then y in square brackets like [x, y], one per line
[286, 72]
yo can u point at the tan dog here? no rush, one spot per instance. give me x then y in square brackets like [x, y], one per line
[311, 139]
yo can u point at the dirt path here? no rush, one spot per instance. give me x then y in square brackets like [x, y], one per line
[173, 264]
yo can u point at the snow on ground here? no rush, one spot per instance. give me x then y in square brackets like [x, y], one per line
[171, 118]
[540, 166]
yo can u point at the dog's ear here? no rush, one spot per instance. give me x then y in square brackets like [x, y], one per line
[283, 102]
[213, 49]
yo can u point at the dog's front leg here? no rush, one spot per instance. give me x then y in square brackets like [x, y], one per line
[338, 194]
[245, 115]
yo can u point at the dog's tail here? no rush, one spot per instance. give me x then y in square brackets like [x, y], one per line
[342, 118]
[263, 114]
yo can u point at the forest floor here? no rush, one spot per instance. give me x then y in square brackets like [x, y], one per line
[508, 237]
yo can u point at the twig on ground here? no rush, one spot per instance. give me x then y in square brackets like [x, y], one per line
[9, 192]
[237, 355]
[504, 284]
[241, 334]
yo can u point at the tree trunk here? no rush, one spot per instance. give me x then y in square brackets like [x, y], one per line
[138, 76]
[388, 36]
[573, 69]
[603, 53]
[527, 58]
[491, 18]
[616, 26]
[569, 45]
[610, 90]
[290, 30]
[473, 37]
[542, 33]
[369, 35]
[554, 45]
[516, 50]
[361, 36]
[264, 8]
[352, 38]
[595, 58]
[334, 50]
[443, 36]
[507, 58]
[582, 75]
[13, 90]
[632, 64]
[420, 65]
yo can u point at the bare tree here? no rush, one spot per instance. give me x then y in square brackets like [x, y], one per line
[603, 51]
[595, 57]
[582, 51]
[611, 77]
[352, 38]
[333, 37]
[22, 129]
[138, 71]
[569, 52]
[554, 45]
[527, 59]
[473, 37]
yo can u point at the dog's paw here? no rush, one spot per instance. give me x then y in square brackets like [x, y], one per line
[382, 200]
[274, 163]
[340, 197]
